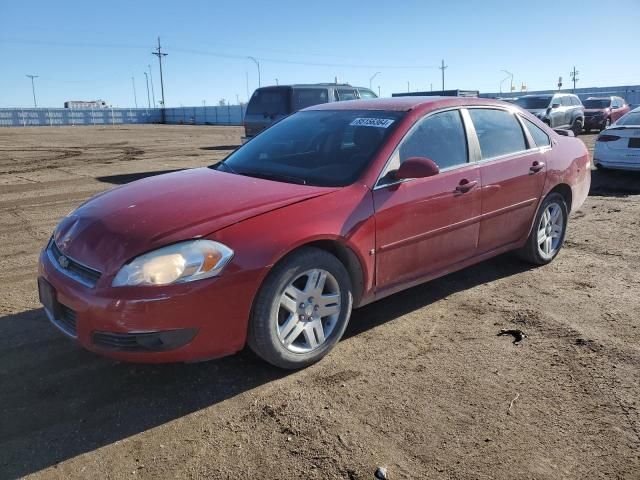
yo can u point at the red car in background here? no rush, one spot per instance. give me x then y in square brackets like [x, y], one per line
[601, 112]
[332, 208]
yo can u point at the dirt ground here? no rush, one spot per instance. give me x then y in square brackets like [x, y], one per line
[420, 385]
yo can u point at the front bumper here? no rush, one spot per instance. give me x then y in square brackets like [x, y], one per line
[194, 321]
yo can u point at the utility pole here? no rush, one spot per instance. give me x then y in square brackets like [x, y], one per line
[408, 90]
[378, 91]
[158, 53]
[443, 67]
[372, 77]
[246, 75]
[135, 97]
[33, 89]
[146, 77]
[574, 77]
[257, 65]
[153, 93]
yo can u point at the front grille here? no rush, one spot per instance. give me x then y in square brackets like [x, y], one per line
[82, 273]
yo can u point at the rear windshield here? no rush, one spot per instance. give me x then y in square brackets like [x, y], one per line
[316, 147]
[597, 103]
[306, 97]
[533, 103]
[272, 101]
[632, 118]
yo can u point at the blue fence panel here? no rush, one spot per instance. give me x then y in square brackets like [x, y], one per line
[214, 115]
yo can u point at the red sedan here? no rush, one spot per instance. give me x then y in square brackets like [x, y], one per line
[332, 208]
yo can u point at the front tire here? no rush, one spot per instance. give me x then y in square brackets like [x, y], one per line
[548, 232]
[301, 310]
[576, 128]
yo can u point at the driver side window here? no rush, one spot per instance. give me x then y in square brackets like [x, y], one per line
[440, 137]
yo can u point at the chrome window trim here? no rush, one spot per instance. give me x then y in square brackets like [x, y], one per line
[383, 172]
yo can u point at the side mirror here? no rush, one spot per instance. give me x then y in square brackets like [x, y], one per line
[555, 105]
[417, 167]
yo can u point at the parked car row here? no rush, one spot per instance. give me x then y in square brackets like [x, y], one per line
[567, 111]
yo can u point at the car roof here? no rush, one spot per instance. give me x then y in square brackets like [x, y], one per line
[313, 85]
[538, 95]
[404, 104]
[601, 98]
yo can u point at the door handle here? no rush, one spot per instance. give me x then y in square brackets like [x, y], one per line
[536, 167]
[465, 185]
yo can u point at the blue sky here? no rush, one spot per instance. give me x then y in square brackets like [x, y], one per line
[87, 50]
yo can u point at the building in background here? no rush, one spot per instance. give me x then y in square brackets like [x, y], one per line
[438, 93]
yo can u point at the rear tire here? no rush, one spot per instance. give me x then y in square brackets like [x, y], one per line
[548, 232]
[302, 309]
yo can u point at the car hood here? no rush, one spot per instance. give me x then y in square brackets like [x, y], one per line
[127, 221]
[536, 111]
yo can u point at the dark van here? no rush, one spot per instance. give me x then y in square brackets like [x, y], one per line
[270, 104]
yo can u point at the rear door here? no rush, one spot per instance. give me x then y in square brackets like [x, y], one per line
[512, 168]
[266, 106]
[426, 224]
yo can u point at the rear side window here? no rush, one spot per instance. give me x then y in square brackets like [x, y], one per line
[269, 102]
[347, 94]
[540, 138]
[499, 132]
[440, 137]
[306, 97]
[367, 94]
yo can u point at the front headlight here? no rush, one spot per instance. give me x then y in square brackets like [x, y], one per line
[178, 263]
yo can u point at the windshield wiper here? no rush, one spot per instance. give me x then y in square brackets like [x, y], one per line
[278, 177]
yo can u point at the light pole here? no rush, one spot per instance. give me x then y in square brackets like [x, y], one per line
[153, 93]
[146, 77]
[257, 65]
[510, 75]
[135, 97]
[378, 91]
[372, 77]
[33, 89]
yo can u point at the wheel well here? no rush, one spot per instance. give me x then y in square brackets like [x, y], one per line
[564, 190]
[349, 259]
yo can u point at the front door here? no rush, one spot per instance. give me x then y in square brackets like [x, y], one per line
[426, 224]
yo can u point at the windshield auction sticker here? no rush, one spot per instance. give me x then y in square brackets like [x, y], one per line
[372, 122]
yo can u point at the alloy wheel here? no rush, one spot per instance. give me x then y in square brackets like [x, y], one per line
[308, 311]
[550, 230]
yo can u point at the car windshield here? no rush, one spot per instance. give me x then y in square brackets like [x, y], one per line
[322, 147]
[597, 103]
[632, 118]
[533, 103]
